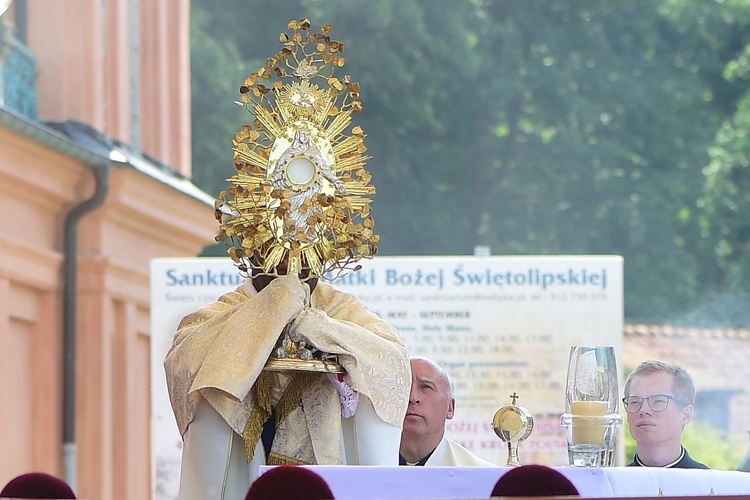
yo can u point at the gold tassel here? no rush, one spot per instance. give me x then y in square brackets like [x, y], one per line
[262, 410]
[278, 459]
[258, 416]
[291, 397]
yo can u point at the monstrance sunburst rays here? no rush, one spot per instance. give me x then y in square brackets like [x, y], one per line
[300, 198]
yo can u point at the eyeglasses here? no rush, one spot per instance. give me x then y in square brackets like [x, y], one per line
[657, 402]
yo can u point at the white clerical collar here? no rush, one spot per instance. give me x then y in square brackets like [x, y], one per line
[682, 455]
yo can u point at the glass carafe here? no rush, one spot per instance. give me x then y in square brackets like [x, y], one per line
[591, 417]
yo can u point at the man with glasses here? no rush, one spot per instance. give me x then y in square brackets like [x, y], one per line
[659, 400]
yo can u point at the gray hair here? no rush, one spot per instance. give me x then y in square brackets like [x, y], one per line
[448, 378]
[682, 382]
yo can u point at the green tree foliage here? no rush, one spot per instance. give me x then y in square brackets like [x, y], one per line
[216, 68]
[535, 127]
[723, 207]
[727, 195]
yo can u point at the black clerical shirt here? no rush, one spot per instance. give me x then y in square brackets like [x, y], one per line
[683, 462]
[402, 460]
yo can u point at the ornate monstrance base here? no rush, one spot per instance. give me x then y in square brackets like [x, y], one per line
[303, 365]
[295, 355]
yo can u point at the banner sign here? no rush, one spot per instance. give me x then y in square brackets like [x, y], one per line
[498, 325]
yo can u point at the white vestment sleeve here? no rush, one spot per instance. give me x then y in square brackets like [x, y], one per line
[368, 440]
[213, 459]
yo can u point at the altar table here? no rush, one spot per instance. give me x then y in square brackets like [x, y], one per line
[437, 483]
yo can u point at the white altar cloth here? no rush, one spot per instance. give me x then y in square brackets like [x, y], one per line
[350, 482]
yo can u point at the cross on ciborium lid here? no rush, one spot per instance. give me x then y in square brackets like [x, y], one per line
[513, 424]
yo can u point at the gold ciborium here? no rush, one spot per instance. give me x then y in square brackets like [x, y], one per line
[513, 424]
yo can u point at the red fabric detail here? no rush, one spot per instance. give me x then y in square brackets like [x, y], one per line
[37, 485]
[533, 481]
[289, 482]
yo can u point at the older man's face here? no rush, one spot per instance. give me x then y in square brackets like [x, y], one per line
[429, 403]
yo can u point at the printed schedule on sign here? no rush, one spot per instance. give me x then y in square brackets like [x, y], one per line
[499, 325]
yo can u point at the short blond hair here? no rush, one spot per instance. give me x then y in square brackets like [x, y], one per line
[682, 382]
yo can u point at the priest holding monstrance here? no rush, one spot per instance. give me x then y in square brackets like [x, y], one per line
[286, 369]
